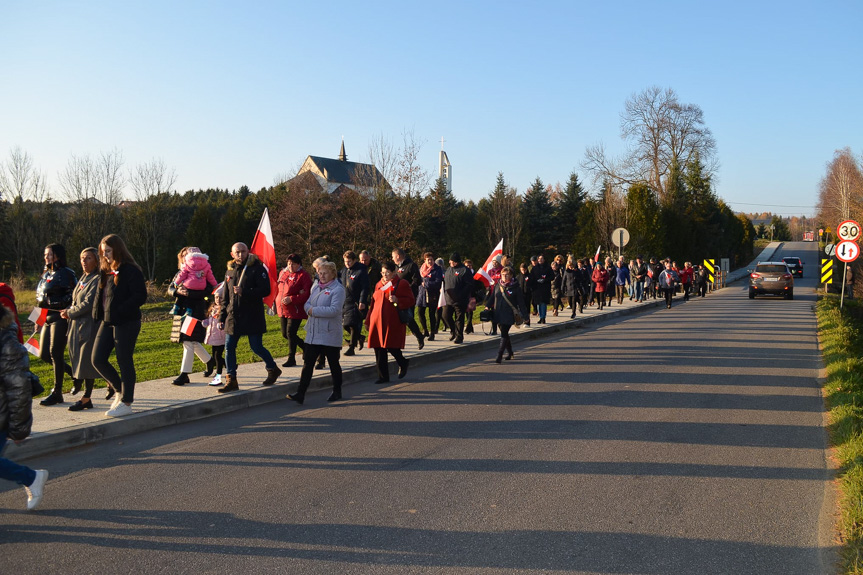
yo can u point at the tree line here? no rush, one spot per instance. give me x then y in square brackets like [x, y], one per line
[662, 193]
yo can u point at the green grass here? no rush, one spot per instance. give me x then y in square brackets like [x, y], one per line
[842, 345]
[155, 356]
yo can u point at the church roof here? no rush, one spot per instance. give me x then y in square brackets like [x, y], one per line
[344, 172]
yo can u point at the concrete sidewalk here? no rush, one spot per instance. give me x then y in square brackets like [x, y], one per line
[158, 403]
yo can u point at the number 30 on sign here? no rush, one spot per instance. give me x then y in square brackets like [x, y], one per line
[847, 251]
[848, 230]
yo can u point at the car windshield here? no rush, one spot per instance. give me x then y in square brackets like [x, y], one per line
[792, 261]
[772, 269]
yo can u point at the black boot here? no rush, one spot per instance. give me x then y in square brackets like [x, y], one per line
[76, 386]
[292, 361]
[350, 351]
[182, 379]
[272, 376]
[335, 395]
[211, 367]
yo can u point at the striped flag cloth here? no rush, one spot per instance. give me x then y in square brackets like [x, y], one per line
[263, 247]
[483, 274]
[188, 326]
[38, 316]
[32, 345]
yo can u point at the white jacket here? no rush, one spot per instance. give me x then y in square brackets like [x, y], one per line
[324, 326]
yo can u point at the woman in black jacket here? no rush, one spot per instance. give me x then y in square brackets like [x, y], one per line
[569, 285]
[121, 293]
[505, 300]
[54, 293]
[541, 278]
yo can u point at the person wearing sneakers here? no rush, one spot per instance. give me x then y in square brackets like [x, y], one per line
[215, 337]
[247, 283]
[323, 331]
[119, 296]
[16, 402]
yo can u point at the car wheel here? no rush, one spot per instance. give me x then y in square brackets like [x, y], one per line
[790, 295]
[751, 294]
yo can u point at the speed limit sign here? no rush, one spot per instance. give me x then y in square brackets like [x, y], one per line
[847, 251]
[849, 230]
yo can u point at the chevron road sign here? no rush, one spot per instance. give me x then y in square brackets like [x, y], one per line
[710, 266]
[826, 271]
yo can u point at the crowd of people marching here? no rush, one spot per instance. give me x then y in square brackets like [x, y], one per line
[366, 303]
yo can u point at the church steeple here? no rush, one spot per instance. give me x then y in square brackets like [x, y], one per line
[342, 156]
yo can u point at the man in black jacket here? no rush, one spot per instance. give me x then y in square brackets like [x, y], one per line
[409, 272]
[247, 283]
[355, 280]
[373, 268]
[457, 286]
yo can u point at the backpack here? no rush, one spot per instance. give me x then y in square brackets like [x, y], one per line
[7, 300]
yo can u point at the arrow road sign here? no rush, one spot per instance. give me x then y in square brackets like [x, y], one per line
[847, 251]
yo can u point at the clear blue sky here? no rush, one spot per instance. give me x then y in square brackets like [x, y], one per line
[232, 93]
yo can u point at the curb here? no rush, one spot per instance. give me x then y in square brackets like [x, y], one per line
[85, 434]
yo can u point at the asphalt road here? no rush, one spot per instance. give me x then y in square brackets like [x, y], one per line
[688, 440]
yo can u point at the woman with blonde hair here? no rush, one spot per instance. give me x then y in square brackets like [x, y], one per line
[83, 328]
[119, 296]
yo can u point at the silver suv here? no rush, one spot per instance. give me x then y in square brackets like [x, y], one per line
[771, 278]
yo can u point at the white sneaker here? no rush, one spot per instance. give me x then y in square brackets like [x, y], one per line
[217, 381]
[35, 491]
[118, 398]
[120, 410]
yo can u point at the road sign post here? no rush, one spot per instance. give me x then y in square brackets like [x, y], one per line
[620, 237]
[847, 250]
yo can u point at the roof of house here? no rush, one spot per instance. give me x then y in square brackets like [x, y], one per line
[345, 172]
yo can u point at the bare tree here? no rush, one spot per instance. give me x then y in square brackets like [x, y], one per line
[504, 216]
[152, 182]
[841, 189]
[659, 130]
[21, 183]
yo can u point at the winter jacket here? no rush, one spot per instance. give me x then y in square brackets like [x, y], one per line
[668, 279]
[556, 283]
[196, 272]
[198, 301]
[123, 300]
[54, 291]
[584, 280]
[410, 272]
[7, 300]
[384, 327]
[324, 326]
[541, 277]
[600, 278]
[569, 285]
[214, 335]
[83, 328]
[429, 290]
[244, 312]
[457, 286]
[638, 272]
[16, 387]
[296, 285]
[503, 312]
[355, 280]
[685, 275]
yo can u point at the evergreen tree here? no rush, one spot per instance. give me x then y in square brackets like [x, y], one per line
[566, 214]
[433, 230]
[536, 214]
[643, 222]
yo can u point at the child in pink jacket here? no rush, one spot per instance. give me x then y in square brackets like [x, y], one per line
[195, 274]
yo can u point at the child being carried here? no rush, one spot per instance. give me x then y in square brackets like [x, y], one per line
[195, 274]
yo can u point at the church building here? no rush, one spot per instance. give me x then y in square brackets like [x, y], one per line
[338, 175]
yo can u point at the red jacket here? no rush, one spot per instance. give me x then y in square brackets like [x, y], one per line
[685, 275]
[600, 278]
[385, 328]
[298, 286]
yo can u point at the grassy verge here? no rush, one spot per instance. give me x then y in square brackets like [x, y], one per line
[842, 344]
[156, 357]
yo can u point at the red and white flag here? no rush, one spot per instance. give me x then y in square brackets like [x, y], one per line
[188, 326]
[32, 345]
[483, 274]
[596, 257]
[263, 246]
[38, 316]
[441, 300]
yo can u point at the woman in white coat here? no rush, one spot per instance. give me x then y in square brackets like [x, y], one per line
[323, 331]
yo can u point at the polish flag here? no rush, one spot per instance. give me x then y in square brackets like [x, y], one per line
[596, 257]
[441, 300]
[38, 316]
[32, 345]
[263, 247]
[483, 274]
[188, 326]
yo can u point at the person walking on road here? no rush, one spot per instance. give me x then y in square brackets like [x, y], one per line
[294, 285]
[119, 296]
[409, 272]
[668, 281]
[355, 279]
[541, 278]
[386, 331]
[621, 280]
[323, 331]
[194, 303]
[600, 281]
[507, 302]
[16, 402]
[54, 293]
[247, 283]
[82, 329]
[457, 286]
[428, 295]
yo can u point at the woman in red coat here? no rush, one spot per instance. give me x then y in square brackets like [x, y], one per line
[386, 331]
[295, 285]
[600, 278]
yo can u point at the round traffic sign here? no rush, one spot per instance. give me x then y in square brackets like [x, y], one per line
[847, 251]
[620, 237]
[830, 249]
[848, 230]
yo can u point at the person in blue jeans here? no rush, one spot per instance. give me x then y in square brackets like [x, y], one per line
[16, 402]
[247, 283]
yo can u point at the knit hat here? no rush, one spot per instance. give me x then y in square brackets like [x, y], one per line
[455, 257]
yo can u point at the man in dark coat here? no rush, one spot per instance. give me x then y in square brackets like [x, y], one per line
[457, 286]
[409, 272]
[355, 279]
[541, 277]
[247, 283]
[373, 268]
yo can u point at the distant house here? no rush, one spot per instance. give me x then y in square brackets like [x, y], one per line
[338, 175]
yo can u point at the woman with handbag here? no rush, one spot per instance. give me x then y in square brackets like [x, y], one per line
[386, 321]
[508, 305]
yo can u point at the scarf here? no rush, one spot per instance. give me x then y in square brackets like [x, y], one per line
[425, 270]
